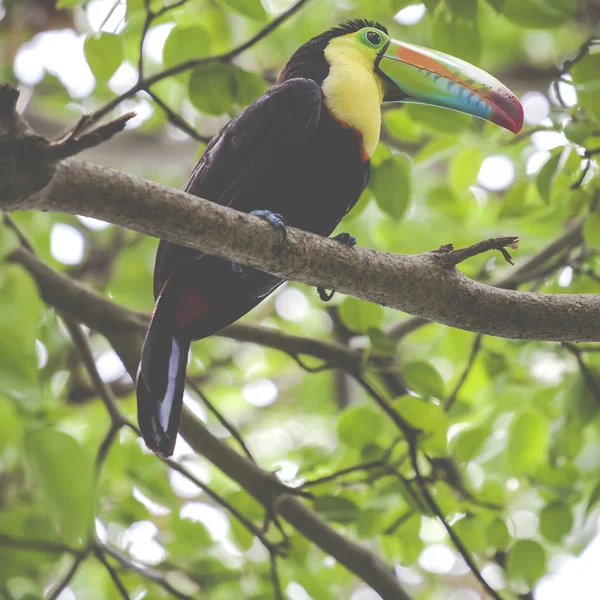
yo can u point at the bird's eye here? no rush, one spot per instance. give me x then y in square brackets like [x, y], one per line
[373, 38]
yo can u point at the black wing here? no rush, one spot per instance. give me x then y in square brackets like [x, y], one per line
[244, 151]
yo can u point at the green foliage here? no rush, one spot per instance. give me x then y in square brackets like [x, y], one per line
[522, 431]
[218, 88]
[104, 54]
[391, 185]
[65, 474]
[528, 441]
[526, 561]
[186, 42]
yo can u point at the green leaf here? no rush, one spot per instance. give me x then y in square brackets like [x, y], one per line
[456, 35]
[360, 316]
[556, 521]
[247, 87]
[528, 437]
[359, 425]
[20, 311]
[215, 88]
[464, 170]
[186, 42]
[526, 562]
[391, 185]
[594, 499]
[472, 532]
[548, 173]
[210, 88]
[401, 126]
[67, 3]
[586, 76]
[423, 378]
[539, 13]
[591, 230]
[498, 535]
[439, 120]
[64, 472]
[427, 417]
[252, 9]
[9, 242]
[104, 54]
[466, 444]
[498, 5]
[187, 537]
[466, 9]
[381, 342]
[515, 200]
[11, 425]
[336, 508]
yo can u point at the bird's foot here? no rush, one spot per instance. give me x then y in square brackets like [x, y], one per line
[278, 224]
[347, 240]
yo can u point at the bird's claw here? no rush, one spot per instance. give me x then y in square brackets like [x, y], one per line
[239, 270]
[347, 240]
[277, 222]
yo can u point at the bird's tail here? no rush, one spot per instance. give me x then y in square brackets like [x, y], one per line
[161, 380]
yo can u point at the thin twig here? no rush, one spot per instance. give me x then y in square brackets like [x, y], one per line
[436, 510]
[175, 466]
[113, 574]
[145, 84]
[275, 577]
[76, 141]
[36, 545]
[454, 257]
[87, 358]
[398, 522]
[374, 464]
[143, 570]
[64, 582]
[178, 121]
[403, 425]
[592, 384]
[474, 352]
[232, 429]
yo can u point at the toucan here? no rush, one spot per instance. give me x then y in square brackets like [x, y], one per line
[297, 156]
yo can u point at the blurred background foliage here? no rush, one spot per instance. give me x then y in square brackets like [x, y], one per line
[513, 427]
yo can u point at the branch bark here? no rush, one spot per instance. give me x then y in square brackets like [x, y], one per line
[425, 285]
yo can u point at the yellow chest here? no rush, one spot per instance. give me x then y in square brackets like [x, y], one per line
[353, 93]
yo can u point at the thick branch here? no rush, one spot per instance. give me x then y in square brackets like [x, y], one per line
[266, 489]
[125, 328]
[423, 285]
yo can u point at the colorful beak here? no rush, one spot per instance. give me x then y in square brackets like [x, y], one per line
[423, 76]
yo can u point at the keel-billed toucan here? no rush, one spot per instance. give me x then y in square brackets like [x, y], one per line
[298, 156]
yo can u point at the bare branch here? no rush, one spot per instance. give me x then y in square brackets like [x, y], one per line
[75, 142]
[421, 284]
[454, 257]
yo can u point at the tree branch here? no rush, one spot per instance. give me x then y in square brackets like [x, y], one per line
[126, 328]
[423, 285]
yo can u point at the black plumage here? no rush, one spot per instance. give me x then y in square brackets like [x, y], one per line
[285, 153]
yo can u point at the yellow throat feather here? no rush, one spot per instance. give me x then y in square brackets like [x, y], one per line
[353, 92]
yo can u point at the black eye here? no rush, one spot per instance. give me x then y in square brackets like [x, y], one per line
[374, 38]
